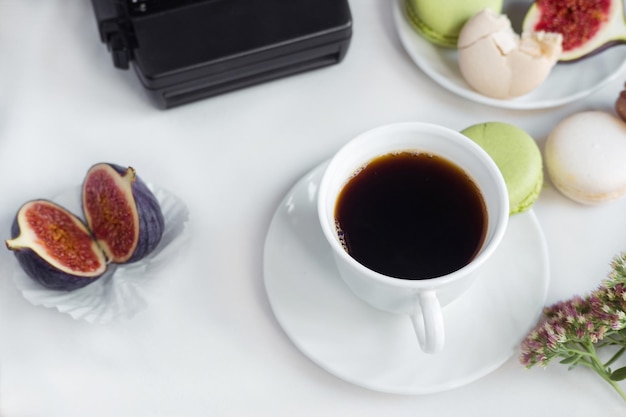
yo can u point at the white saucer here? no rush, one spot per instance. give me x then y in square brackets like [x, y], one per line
[379, 350]
[563, 85]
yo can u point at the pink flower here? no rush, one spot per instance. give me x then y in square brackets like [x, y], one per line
[573, 329]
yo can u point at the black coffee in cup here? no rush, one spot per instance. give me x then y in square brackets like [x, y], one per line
[411, 215]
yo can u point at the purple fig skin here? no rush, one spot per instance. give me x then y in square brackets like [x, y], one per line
[42, 272]
[151, 220]
[604, 47]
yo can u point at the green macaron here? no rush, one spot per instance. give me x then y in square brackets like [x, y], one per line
[517, 156]
[440, 21]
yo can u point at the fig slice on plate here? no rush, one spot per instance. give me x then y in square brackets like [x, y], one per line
[122, 213]
[54, 247]
[588, 26]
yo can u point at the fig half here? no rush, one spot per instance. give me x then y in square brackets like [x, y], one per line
[54, 247]
[588, 26]
[122, 213]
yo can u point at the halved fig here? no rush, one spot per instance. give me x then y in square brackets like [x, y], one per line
[54, 247]
[122, 213]
[588, 26]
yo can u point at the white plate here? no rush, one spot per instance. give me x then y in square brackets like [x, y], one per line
[564, 84]
[378, 350]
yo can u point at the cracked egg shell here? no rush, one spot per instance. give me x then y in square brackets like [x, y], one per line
[498, 63]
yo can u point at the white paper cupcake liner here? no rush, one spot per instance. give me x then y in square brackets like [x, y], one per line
[121, 292]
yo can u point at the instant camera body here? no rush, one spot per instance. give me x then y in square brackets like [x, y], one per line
[186, 50]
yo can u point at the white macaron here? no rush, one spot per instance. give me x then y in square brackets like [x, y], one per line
[585, 157]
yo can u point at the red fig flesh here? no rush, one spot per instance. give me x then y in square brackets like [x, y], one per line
[123, 214]
[587, 26]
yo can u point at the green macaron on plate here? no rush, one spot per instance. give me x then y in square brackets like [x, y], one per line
[423, 44]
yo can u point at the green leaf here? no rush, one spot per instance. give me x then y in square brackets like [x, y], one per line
[570, 359]
[618, 374]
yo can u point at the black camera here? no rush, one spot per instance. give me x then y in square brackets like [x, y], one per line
[186, 50]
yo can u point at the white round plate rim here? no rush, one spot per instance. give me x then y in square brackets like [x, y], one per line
[541, 98]
[378, 350]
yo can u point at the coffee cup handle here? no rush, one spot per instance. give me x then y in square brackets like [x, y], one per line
[427, 320]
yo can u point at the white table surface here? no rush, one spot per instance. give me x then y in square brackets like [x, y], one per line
[208, 344]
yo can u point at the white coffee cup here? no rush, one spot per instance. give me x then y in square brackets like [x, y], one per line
[421, 299]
